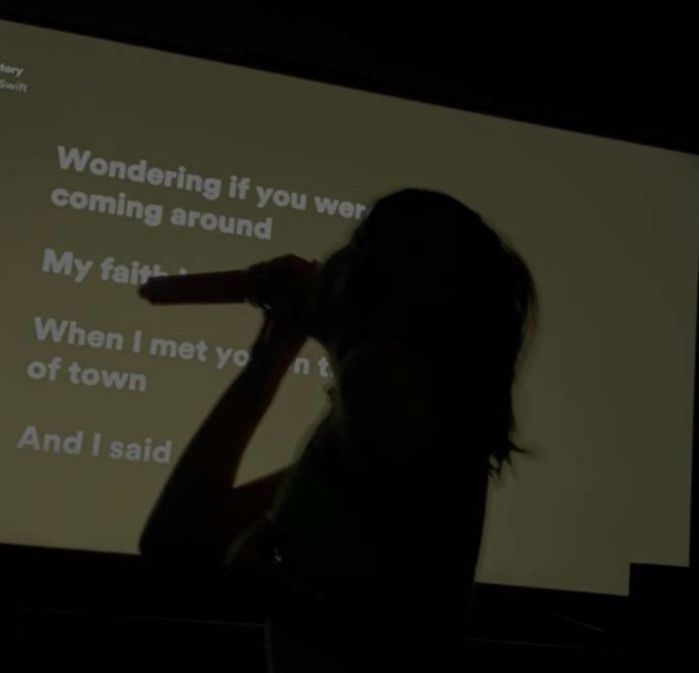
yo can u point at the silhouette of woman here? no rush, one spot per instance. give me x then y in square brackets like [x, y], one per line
[365, 549]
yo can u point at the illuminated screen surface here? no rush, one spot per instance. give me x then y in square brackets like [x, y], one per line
[120, 161]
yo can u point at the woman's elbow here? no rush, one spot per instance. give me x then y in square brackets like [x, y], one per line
[162, 536]
[153, 545]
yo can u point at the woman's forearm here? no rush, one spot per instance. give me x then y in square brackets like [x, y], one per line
[208, 467]
[215, 452]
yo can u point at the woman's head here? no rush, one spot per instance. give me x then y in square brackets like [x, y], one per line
[424, 269]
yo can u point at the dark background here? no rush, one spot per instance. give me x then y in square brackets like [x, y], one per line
[624, 74]
[627, 74]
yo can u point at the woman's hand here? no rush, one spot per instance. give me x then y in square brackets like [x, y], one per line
[283, 288]
[283, 284]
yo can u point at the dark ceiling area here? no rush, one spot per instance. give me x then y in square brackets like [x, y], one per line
[628, 75]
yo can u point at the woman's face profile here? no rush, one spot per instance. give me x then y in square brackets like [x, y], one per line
[330, 309]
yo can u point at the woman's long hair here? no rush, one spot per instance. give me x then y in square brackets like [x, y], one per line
[435, 277]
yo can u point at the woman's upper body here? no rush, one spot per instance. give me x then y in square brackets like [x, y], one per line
[383, 514]
[376, 529]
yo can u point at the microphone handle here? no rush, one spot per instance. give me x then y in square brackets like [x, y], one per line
[219, 287]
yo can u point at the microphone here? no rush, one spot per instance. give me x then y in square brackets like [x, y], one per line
[218, 287]
[277, 282]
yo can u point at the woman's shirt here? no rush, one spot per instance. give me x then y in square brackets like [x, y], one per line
[383, 542]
